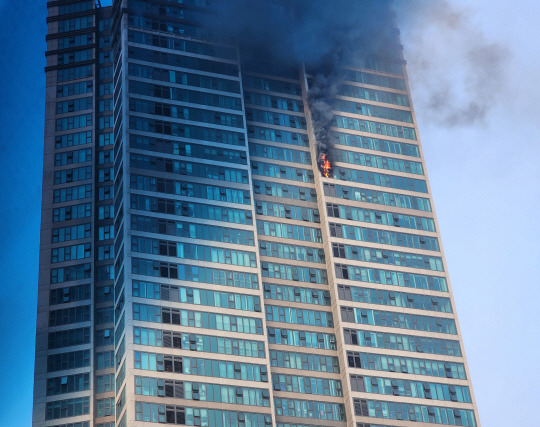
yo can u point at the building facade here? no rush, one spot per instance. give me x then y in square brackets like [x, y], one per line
[199, 266]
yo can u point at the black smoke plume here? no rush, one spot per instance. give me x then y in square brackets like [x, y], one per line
[323, 35]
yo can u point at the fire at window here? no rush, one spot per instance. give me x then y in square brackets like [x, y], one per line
[325, 165]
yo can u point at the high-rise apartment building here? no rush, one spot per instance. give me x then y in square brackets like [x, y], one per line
[200, 264]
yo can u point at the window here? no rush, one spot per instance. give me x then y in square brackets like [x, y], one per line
[105, 139]
[105, 122]
[75, 24]
[67, 408]
[105, 407]
[105, 212]
[309, 409]
[68, 384]
[106, 232]
[69, 360]
[105, 359]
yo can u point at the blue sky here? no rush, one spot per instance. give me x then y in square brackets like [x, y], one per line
[484, 174]
[22, 87]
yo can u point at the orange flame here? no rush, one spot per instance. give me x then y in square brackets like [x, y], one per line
[325, 165]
